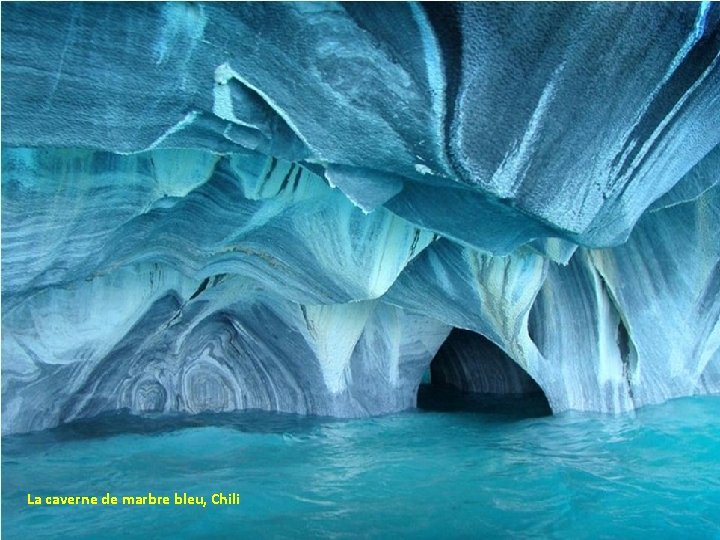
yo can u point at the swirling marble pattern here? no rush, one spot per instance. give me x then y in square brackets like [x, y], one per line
[553, 130]
[289, 206]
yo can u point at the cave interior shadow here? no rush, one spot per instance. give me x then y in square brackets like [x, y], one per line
[471, 374]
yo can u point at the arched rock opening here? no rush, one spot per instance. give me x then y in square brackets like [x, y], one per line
[471, 373]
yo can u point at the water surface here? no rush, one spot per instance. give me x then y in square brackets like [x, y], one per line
[506, 473]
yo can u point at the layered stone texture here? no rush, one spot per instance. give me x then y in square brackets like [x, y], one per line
[216, 207]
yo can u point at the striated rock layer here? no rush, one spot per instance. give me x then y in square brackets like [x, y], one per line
[215, 207]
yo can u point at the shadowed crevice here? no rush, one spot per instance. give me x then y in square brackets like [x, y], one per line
[471, 373]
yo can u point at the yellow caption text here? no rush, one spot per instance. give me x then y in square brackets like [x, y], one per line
[179, 499]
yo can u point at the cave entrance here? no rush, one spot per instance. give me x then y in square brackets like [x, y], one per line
[470, 373]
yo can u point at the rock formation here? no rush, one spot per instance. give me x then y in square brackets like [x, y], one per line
[289, 206]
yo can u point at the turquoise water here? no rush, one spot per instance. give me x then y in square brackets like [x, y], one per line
[417, 474]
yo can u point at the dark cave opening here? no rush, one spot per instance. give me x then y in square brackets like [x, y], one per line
[470, 373]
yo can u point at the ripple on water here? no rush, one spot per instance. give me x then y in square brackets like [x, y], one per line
[416, 474]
